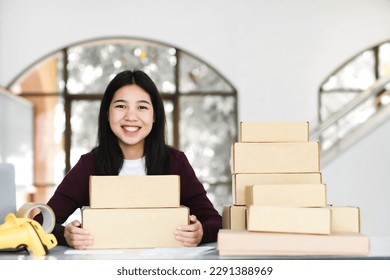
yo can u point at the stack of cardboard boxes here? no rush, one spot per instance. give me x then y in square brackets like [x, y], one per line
[134, 211]
[279, 200]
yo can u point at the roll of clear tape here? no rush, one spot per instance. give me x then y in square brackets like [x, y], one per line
[47, 213]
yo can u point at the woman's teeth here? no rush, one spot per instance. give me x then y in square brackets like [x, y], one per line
[131, 128]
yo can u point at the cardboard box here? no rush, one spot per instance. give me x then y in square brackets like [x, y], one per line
[240, 181]
[244, 243]
[134, 191]
[345, 219]
[303, 157]
[234, 217]
[289, 195]
[289, 220]
[274, 131]
[134, 228]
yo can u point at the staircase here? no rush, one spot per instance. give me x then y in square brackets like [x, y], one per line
[354, 121]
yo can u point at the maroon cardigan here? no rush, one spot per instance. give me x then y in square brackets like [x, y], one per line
[73, 193]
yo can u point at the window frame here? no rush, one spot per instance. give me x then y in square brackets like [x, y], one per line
[69, 98]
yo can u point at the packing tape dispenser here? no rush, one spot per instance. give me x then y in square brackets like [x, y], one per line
[20, 232]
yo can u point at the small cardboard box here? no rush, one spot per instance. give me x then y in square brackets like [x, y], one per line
[289, 220]
[345, 219]
[134, 228]
[134, 191]
[240, 181]
[245, 243]
[274, 131]
[302, 157]
[289, 195]
[234, 217]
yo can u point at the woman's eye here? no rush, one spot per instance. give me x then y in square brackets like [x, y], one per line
[120, 106]
[142, 107]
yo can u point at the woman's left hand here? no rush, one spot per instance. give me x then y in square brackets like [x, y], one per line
[191, 234]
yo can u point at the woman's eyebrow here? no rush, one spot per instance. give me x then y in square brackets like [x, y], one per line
[138, 101]
[119, 100]
[143, 101]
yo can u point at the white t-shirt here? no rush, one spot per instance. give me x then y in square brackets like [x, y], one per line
[133, 167]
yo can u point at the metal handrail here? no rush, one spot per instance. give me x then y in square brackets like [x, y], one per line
[375, 89]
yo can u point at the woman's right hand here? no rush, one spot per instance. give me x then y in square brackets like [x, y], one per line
[77, 237]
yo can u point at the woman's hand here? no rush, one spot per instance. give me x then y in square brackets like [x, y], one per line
[77, 237]
[191, 234]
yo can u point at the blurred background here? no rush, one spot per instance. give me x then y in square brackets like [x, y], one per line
[216, 63]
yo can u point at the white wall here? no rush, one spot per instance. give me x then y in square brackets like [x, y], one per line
[276, 53]
[361, 177]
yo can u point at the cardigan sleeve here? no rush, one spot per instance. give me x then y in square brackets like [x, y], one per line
[72, 193]
[194, 196]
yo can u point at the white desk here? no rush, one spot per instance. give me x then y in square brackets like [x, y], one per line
[380, 249]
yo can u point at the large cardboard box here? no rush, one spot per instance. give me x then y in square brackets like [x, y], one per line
[134, 191]
[345, 219]
[134, 228]
[289, 219]
[302, 157]
[289, 195]
[240, 181]
[245, 243]
[234, 217]
[274, 131]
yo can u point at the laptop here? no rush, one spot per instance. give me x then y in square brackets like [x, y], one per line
[7, 190]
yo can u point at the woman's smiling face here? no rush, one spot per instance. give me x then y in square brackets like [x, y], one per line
[131, 118]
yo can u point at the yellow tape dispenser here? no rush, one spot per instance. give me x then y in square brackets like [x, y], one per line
[24, 233]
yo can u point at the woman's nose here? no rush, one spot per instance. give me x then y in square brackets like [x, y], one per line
[131, 114]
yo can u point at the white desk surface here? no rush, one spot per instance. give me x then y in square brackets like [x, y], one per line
[379, 249]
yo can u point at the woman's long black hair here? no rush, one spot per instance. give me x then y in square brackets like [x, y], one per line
[109, 156]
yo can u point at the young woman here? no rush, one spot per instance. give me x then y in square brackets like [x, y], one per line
[131, 141]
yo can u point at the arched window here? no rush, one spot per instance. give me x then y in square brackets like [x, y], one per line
[352, 77]
[67, 85]
[346, 83]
